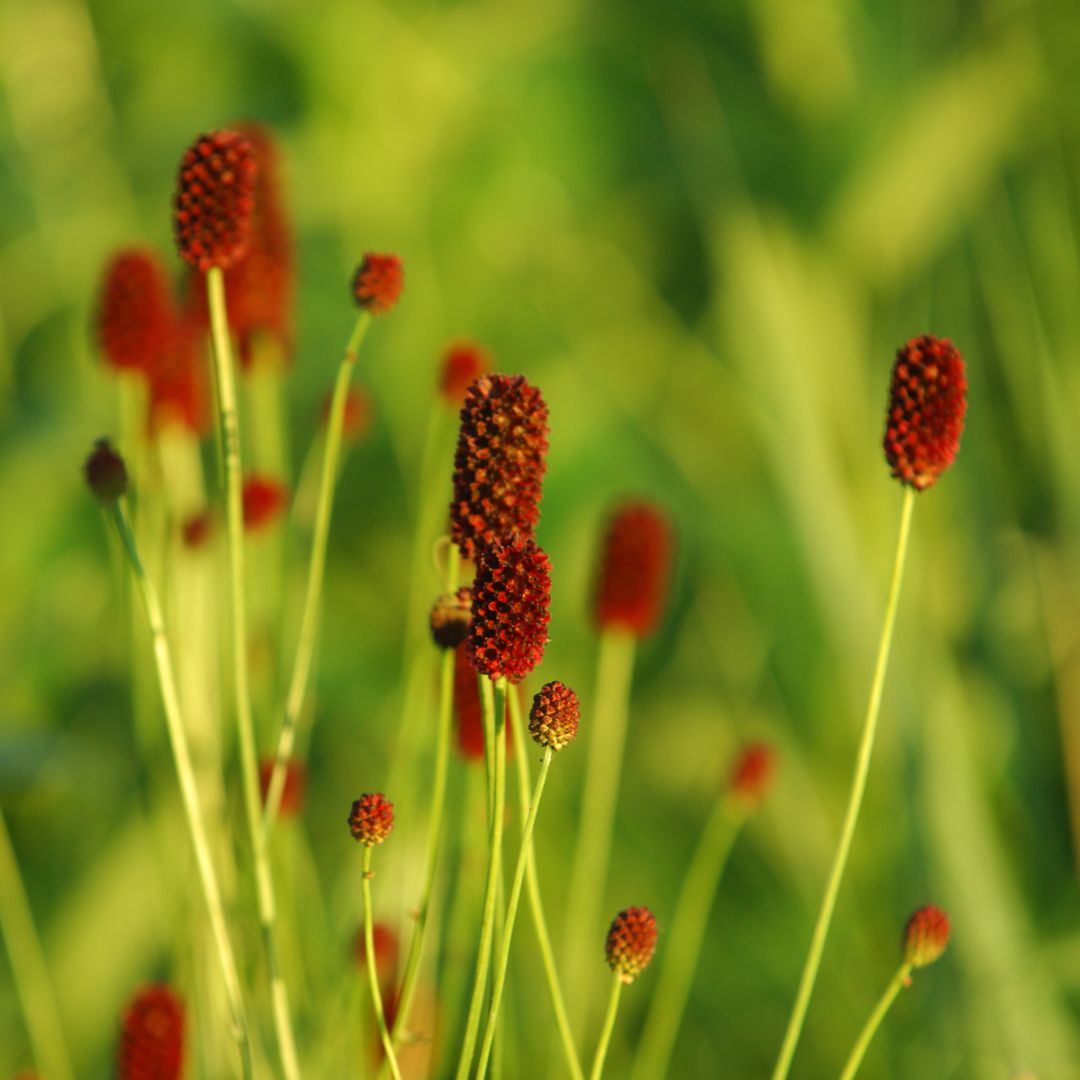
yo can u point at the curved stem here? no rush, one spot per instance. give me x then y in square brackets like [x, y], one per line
[373, 975]
[185, 774]
[899, 981]
[309, 620]
[605, 1033]
[503, 958]
[491, 886]
[230, 448]
[858, 787]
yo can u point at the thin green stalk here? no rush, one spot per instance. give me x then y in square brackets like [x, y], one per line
[435, 819]
[29, 971]
[309, 620]
[683, 947]
[899, 981]
[496, 724]
[185, 774]
[609, 1024]
[502, 960]
[858, 787]
[230, 448]
[547, 953]
[373, 975]
[615, 667]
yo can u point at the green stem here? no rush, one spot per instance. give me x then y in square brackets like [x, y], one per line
[547, 953]
[373, 975]
[609, 1024]
[683, 947]
[503, 958]
[185, 774]
[230, 446]
[858, 786]
[899, 981]
[309, 620]
[491, 886]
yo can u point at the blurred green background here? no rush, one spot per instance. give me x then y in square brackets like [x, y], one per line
[702, 229]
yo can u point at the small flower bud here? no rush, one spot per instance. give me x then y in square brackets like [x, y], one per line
[450, 618]
[553, 718]
[463, 363]
[752, 774]
[371, 819]
[378, 282]
[264, 500]
[152, 1036]
[634, 566]
[631, 942]
[105, 472]
[925, 936]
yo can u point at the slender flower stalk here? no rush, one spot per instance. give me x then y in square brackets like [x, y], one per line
[605, 1032]
[896, 984]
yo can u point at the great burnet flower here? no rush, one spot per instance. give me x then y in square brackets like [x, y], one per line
[499, 462]
[511, 597]
[463, 363]
[371, 818]
[631, 942]
[378, 282]
[135, 311]
[214, 201]
[635, 563]
[152, 1036]
[554, 716]
[927, 402]
[925, 936]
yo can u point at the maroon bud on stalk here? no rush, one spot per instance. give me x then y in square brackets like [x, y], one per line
[553, 718]
[378, 282]
[499, 462]
[463, 363]
[152, 1036]
[450, 618]
[927, 402]
[135, 312]
[371, 818]
[925, 936]
[752, 774]
[105, 472]
[631, 942]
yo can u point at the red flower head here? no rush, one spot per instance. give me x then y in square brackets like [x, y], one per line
[634, 569]
[631, 942]
[264, 501]
[468, 712]
[499, 462]
[214, 200]
[927, 402]
[463, 363]
[178, 383]
[378, 282]
[357, 416]
[371, 819]
[105, 472]
[152, 1036]
[925, 936]
[386, 951]
[511, 595]
[752, 774]
[135, 312]
[553, 718]
[292, 794]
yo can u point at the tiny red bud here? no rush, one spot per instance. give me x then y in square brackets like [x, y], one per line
[752, 774]
[371, 818]
[631, 942]
[925, 936]
[152, 1036]
[378, 282]
[463, 363]
[634, 568]
[264, 501]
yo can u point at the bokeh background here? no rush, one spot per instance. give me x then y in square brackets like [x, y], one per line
[702, 229]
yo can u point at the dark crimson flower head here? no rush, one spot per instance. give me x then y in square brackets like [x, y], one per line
[553, 718]
[214, 201]
[152, 1036]
[105, 472]
[634, 566]
[450, 618]
[264, 501]
[292, 794]
[378, 282]
[371, 818]
[925, 936]
[135, 311]
[927, 402]
[631, 942]
[463, 363]
[511, 596]
[752, 774]
[499, 462]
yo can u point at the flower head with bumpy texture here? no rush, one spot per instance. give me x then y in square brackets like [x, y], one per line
[553, 718]
[927, 402]
[264, 500]
[499, 462]
[372, 818]
[511, 596]
[450, 618]
[752, 774]
[378, 282]
[463, 363]
[105, 472]
[634, 566]
[135, 312]
[152, 1036]
[214, 200]
[925, 936]
[631, 942]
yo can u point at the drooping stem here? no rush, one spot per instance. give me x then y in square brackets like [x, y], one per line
[309, 620]
[502, 960]
[858, 787]
[230, 448]
[491, 885]
[899, 981]
[373, 975]
[185, 774]
[609, 1025]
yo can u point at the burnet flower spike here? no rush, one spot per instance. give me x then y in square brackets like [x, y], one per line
[925, 937]
[923, 422]
[152, 1036]
[135, 312]
[462, 364]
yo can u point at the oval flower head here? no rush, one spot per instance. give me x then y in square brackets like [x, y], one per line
[371, 818]
[631, 942]
[152, 1036]
[135, 311]
[377, 283]
[925, 936]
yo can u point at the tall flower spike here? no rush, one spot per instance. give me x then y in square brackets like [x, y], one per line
[925, 936]
[214, 200]
[631, 942]
[553, 718]
[634, 568]
[499, 462]
[463, 363]
[927, 402]
[152, 1036]
[135, 312]
[378, 282]
[511, 596]
[371, 818]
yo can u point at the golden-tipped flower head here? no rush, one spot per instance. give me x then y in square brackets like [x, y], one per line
[553, 718]
[450, 618]
[371, 818]
[925, 936]
[631, 942]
